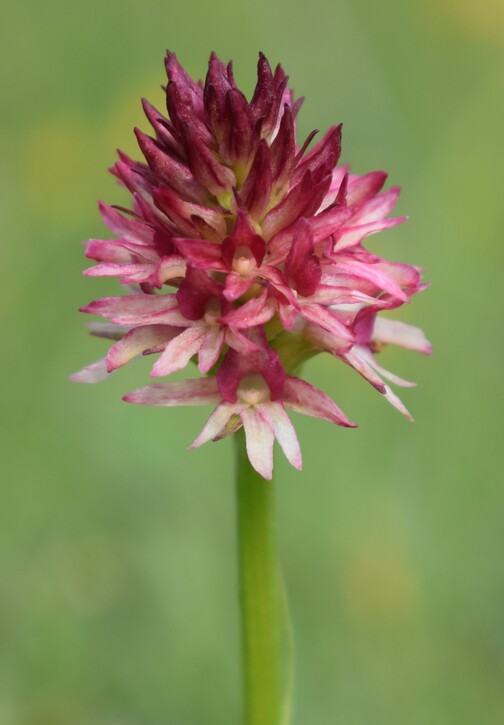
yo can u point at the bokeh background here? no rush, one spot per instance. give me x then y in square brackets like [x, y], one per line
[117, 559]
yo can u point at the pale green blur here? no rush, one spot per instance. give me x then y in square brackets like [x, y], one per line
[117, 550]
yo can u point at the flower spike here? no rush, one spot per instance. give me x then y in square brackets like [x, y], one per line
[243, 251]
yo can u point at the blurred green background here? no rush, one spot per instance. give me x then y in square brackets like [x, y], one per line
[117, 559]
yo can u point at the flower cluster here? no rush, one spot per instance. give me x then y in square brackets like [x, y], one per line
[243, 251]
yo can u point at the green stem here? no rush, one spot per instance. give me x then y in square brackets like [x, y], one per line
[259, 593]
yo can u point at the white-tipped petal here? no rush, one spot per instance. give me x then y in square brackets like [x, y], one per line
[304, 398]
[368, 355]
[259, 438]
[216, 422]
[94, 373]
[136, 342]
[399, 333]
[210, 348]
[361, 365]
[199, 391]
[274, 414]
[179, 351]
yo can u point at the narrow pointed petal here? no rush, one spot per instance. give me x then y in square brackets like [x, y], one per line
[355, 361]
[107, 330]
[120, 251]
[328, 149]
[169, 267]
[259, 441]
[372, 273]
[274, 414]
[256, 311]
[182, 213]
[256, 191]
[239, 342]
[365, 353]
[329, 221]
[168, 168]
[216, 423]
[210, 349]
[362, 188]
[378, 206]
[334, 295]
[302, 200]
[302, 266]
[133, 229]
[358, 362]
[304, 398]
[129, 273]
[327, 320]
[202, 254]
[262, 99]
[355, 234]
[136, 342]
[200, 391]
[236, 286]
[277, 280]
[93, 373]
[179, 351]
[133, 309]
[399, 333]
[283, 150]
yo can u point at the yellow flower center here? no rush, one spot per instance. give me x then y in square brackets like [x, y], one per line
[253, 390]
[244, 263]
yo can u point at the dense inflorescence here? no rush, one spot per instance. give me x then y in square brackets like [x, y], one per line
[244, 252]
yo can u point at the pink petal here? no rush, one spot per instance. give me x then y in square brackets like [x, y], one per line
[329, 221]
[255, 312]
[184, 213]
[372, 273]
[355, 234]
[166, 166]
[355, 361]
[288, 316]
[94, 373]
[124, 226]
[216, 423]
[179, 351]
[200, 391]
[107, 330]
[274, 414]
[133, 309]
[399, 333]
[338, 174]
[136, 342]
[240, 343]
[304, 398]
[236, 286]
[404, 274]
[362, 188]
[277, 280]
[334, 295]
[202, 254]
[169, 268]
[259, 440]
[377, 207]
[324, 340]
[301, 200]
[120, 251]
[302, 266]
[367, 372]
[370, 358]
[129, 273]
[256, 191]
[323, 317]
[210, 348]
